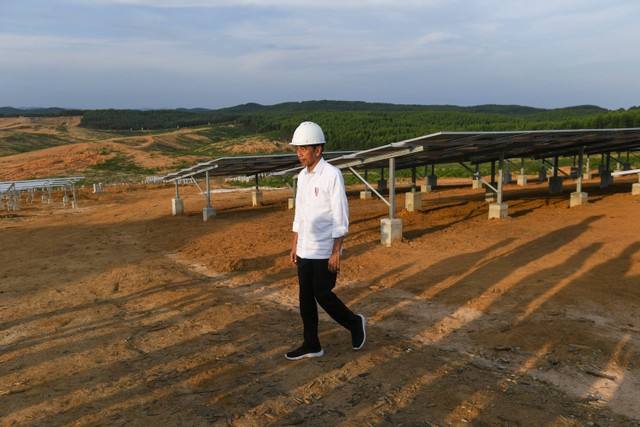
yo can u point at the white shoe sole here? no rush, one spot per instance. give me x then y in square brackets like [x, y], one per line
[317, 354]
[364, 332]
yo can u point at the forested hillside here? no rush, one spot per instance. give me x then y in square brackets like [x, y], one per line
[360, 125]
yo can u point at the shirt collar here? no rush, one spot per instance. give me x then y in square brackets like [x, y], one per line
[318, 169]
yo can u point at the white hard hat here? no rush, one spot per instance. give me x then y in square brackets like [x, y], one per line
[308, 133]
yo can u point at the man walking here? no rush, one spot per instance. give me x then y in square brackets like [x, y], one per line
[320, 223]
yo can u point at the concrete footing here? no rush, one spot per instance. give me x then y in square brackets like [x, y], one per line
[605, 179]
[555, 185]
[587, 175]
[177, 207]
[498, 210]
[413, 201]
[208, 212]
[365, 194]
[390, 231]
[432, 180]
[522, 180]
[578, 198]
[65, 200]
[542, 175]
[635, 189]
[425, 188]
[292, 203]
[476, 184]
[256, 197]
[75, 204]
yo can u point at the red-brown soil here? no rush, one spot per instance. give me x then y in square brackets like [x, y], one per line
[118, 313]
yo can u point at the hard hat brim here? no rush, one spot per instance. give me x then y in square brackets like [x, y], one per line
[300, 144]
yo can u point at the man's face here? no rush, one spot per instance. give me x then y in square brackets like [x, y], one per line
[308, 155]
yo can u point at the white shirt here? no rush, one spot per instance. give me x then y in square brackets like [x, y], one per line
[322, 210]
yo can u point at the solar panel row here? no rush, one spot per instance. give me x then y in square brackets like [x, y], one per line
[438, 148]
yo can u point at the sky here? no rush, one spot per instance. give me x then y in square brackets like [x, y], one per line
[94, 54]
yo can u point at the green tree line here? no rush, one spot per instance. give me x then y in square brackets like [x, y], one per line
[361, 125]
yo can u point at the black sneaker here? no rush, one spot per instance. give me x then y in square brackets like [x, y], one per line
[359, 336]
[301, 353]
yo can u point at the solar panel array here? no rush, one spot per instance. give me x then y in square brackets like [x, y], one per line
[439, 148]
[244, 165]
[11, 190]
[39, 184]
[483, 147]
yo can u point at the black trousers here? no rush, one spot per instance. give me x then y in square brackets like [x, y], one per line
[316, 287]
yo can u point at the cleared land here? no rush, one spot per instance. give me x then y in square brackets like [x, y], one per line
[117, 313]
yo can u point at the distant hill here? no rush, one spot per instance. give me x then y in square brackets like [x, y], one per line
[318, 106]
[37, 111]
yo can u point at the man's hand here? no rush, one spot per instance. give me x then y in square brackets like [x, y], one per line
[334, 262]
[293, 255]
[334, 259]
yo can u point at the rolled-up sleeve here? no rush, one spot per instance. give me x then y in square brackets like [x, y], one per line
[339, 208]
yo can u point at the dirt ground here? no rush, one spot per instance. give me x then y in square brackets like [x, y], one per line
[118, 313]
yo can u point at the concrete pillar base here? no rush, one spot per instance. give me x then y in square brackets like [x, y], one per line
[425, 188]
[555, 185]
[476, 184]
[498, 210]
[605, 179]
[390, 231]
[65, 200]
[577, 198]
[413, 201]
[542, 175]
[506, 178]
[382, 185]
[587, 175]
[75, 204]
[365, 194]
[208, 213]
[522, 180]
[177, 207]
[292, 203]
[256, 198]
[635, 189]
[432, 180]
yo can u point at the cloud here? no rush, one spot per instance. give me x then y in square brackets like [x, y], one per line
[250, 49]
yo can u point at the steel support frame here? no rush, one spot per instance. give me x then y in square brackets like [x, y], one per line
[369, 186]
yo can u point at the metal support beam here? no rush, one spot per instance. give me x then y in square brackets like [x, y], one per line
[208, 189]
[392, 187]
[477, 175]
[366, 183]
[579, 179]
[413, 179]
[554, 167]
[501, 166]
